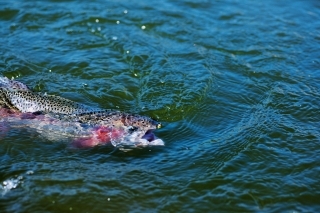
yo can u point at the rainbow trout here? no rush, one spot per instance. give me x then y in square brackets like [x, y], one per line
[19, 106]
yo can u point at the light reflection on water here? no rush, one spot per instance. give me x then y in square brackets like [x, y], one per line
[235, 84]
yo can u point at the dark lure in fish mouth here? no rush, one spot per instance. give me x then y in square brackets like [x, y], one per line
[149, 136]
[140, 138]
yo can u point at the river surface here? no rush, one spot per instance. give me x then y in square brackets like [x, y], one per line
[236, 84]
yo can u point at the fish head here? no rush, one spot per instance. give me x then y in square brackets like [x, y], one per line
[139, 131]
[141, 138]
[140, 122]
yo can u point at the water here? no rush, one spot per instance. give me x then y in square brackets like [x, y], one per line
[235, 83]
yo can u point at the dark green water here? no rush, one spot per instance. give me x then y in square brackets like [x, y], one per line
[235, 83]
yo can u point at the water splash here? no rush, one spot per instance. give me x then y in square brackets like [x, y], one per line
[9, 184]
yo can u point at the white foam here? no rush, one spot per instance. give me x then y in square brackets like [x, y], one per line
[9, 184]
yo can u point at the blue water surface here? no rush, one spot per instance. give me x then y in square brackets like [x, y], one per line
[235, 83]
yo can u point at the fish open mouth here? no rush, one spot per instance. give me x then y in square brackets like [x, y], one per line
[150, 137]
[141, 139]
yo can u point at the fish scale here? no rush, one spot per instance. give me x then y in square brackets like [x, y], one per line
[28, 101]
[16, 95]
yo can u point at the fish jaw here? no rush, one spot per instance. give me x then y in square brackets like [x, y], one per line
[155, 142]
[141, 139]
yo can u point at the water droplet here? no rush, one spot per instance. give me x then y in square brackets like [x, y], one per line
[97, 20]
[128, 52]
[108, 198]
[125, 11]
[99, 29]
[118, 22]
[13, 25]
[114, 37]
[143, 27]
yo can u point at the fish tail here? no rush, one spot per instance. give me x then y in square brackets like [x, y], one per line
[11, 84]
